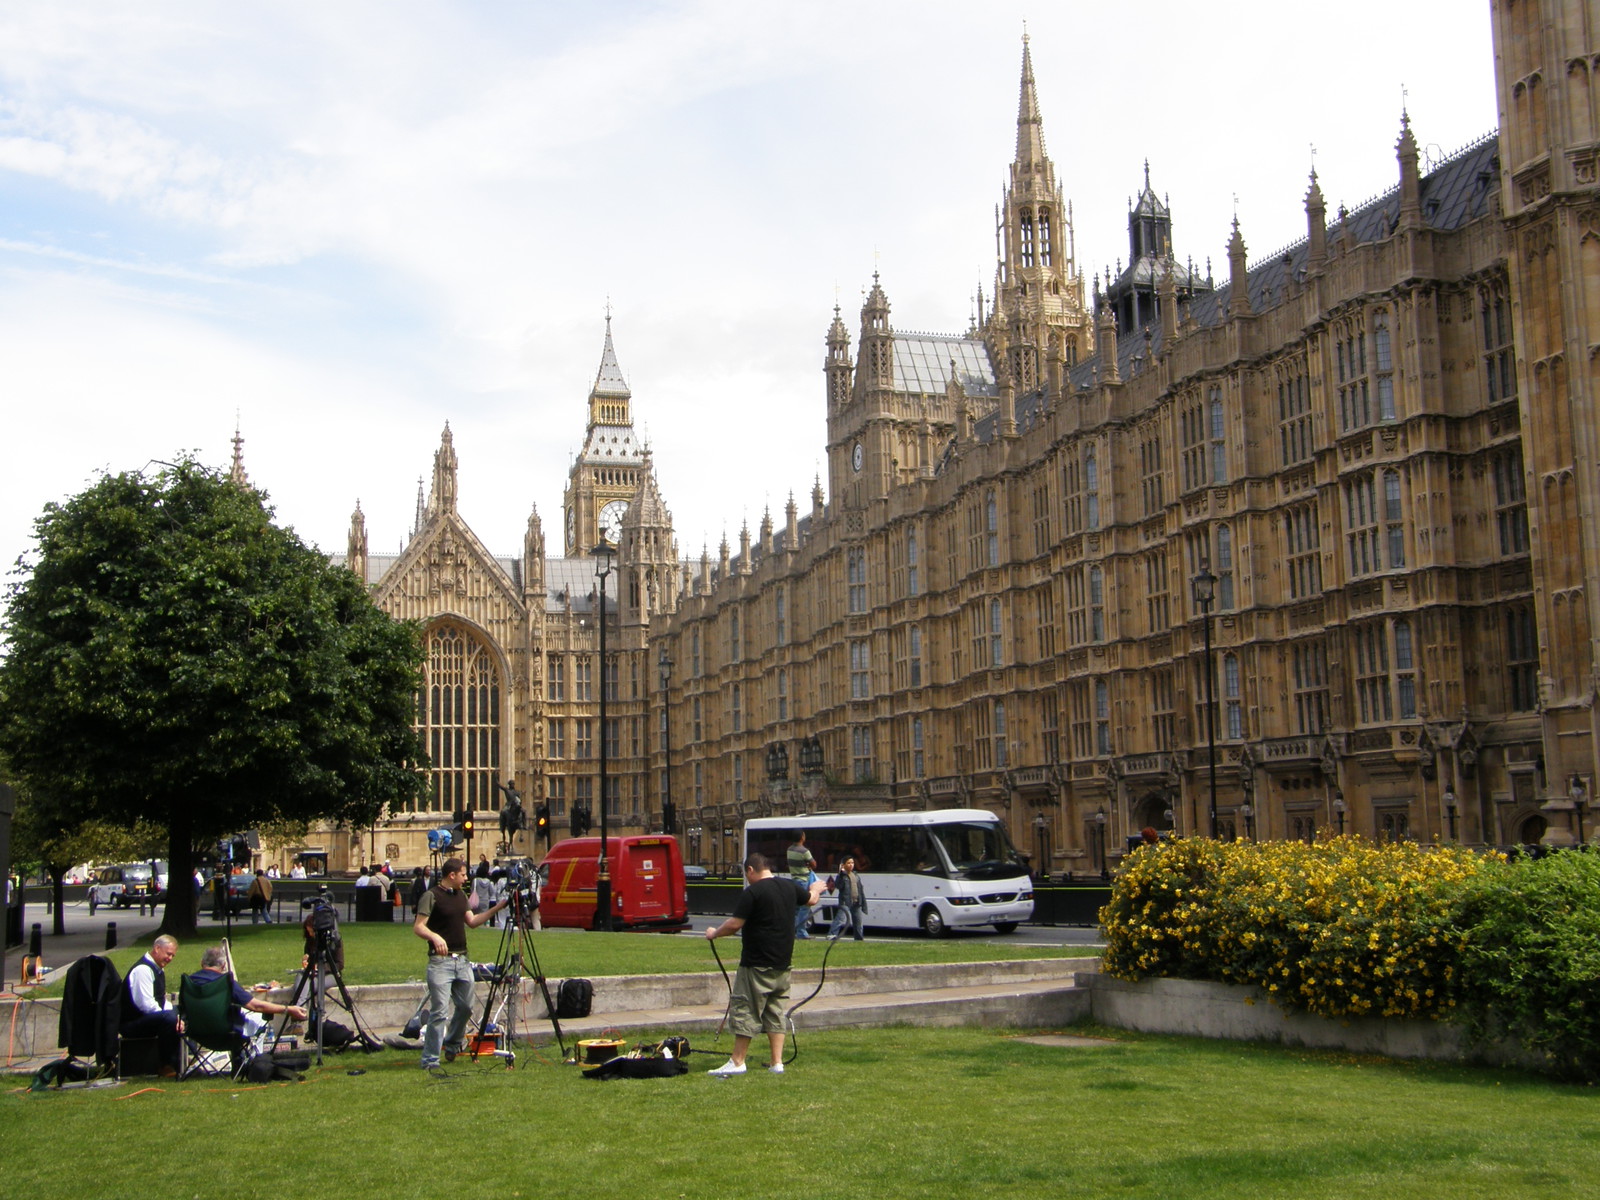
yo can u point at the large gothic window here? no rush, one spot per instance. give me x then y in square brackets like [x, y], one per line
[458, 715]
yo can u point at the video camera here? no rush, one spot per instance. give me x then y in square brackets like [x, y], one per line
[322, 918]
[522, 887]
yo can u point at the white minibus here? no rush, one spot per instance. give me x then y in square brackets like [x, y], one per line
[935, 871]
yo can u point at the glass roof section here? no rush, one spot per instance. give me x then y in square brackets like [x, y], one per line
[922, 364]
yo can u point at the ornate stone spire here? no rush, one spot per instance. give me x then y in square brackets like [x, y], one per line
[237, 474]
[443, 499]
[355, 554]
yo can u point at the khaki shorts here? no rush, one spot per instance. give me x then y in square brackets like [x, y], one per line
[760, 1000]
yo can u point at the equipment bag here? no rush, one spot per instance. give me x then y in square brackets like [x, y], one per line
[574, 998]
[637, 1068]
[335, 1036]
[269, 1068]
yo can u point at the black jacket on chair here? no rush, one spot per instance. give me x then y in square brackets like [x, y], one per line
[91, 1010]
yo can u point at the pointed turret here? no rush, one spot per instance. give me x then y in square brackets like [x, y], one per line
[877, 338]
[1410, 182]
[1038, 294]
[1238, 275]
[443, 498]
[791, 528]
[420, 517]
[237, 474]
[355, 554]
[1030, 127]
[533, 555]
[1316, 224]
[838, 365]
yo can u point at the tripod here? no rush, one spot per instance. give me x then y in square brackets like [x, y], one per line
[320, 968]
[516, 951]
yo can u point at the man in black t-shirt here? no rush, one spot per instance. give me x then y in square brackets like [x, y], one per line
[443, 918]
[765, 914]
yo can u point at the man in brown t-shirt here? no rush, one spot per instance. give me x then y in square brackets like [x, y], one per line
[443, 918]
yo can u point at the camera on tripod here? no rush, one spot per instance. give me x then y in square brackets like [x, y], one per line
[322, 918]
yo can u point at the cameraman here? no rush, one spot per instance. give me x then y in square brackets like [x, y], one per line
[443, 917]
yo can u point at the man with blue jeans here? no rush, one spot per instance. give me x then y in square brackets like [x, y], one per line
[444, 914]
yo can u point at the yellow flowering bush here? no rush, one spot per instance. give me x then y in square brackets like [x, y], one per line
[1342, 928]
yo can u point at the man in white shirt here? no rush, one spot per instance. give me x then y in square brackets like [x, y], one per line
[146, 1010]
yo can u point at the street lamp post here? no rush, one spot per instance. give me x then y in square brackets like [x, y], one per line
[1100, 836]
[1450, 810]
[1339, 809]
[1041, 831]
[603, 553]
[1205, 590]
[669, 815]
[1248, 812]
[1580, 796]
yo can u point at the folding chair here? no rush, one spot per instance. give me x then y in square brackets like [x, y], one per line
[207, 1010]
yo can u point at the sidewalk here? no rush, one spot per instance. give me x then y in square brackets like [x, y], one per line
[85, 935]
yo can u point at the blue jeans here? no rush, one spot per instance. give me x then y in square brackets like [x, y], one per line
[848, 915]
[449, 1004]
[802, 922]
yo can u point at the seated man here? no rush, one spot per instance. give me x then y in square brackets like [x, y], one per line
[146, 1011]
[246, 1021]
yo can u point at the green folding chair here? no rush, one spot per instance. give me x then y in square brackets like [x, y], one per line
[207, 1010]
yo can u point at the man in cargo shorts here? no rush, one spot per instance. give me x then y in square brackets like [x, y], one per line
[765, 913]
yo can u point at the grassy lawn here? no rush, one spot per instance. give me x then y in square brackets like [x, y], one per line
[888, 1113]
[377, 953]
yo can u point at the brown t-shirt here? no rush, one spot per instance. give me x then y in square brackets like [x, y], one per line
[446, 913]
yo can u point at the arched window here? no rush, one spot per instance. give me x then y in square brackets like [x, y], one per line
[991, 526]
[1044, 237]
[783, 694]
[1230, 694]
[737, 706]
[1091, 490]
[458, 716]
[1097, 605]
[1027, 237]
[1394, 526]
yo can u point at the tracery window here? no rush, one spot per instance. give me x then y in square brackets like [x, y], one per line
[458, 717]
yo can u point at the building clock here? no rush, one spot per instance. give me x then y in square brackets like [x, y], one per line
[855, 456]
[610, 524]
[572, 528]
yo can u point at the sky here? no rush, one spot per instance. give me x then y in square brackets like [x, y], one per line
[336, 226]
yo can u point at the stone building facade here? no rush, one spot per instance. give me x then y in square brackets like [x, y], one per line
[1376, 450]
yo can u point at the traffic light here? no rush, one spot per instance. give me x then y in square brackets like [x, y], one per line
[466, 826]
[541, 821]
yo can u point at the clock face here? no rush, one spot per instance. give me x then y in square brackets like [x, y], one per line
[611, 522]
[855, 457]
[572, 526]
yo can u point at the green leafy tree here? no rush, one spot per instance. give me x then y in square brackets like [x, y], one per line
[41, 843]
[176, 657]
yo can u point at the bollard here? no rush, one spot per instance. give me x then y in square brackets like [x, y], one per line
[111, 935]
[36, 941]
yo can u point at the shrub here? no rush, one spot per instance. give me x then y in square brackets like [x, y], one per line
[1342, 928]
[1531, 964]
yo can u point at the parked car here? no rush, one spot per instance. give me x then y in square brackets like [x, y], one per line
[122, 885]
[239, 892]
[693, 872]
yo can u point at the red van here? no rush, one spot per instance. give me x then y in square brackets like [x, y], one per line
[647, 887]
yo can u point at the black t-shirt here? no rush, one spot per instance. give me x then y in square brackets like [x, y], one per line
[446, 913]
[767, 909]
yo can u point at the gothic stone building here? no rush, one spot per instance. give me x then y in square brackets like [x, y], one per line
[1377, 451]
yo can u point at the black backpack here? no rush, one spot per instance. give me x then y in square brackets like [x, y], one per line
[574, 998]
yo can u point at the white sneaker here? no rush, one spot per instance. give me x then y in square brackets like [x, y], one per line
[728, 1068]
[776, 1068]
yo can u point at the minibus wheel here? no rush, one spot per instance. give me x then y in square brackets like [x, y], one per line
[932, 923]
[1005, 926]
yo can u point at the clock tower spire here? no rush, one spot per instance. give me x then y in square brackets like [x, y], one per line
[606, 474]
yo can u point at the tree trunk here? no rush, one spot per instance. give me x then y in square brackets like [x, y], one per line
[182, 917]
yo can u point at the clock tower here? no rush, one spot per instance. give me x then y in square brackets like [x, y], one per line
[608, 470]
